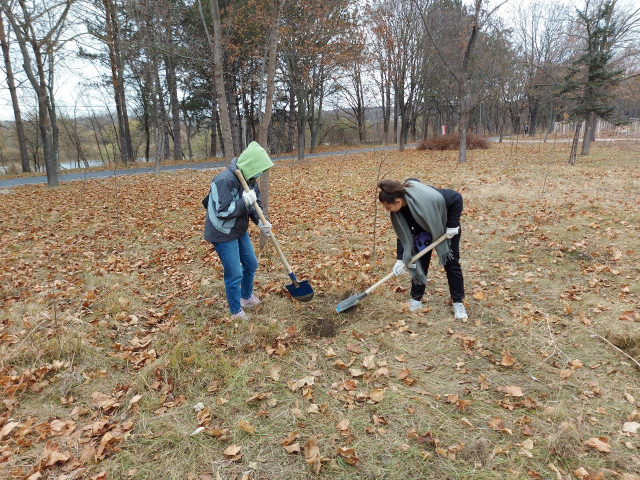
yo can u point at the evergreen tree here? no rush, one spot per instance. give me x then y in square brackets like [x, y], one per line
[591, 78]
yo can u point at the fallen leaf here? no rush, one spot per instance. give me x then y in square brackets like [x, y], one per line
[512, 391]
[601, 444]
[274, 372]
[247, 427]
[6, 430]
[293, 448]
[377, 395]
[312, 454]
[349, 455]
[289, 439]
[631, 427]
[343, 424]
[507, 360]
[369, 362]
[581, 473]
[233, 451]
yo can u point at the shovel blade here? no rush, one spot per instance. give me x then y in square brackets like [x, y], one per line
[350, 302]
[302, 292]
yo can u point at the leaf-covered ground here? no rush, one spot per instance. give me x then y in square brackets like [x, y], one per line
[119, 360]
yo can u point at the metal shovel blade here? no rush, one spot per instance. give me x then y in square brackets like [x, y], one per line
[352, 301]
[300, 291]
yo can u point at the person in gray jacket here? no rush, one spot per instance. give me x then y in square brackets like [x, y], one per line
[420, 214]
[226, 225]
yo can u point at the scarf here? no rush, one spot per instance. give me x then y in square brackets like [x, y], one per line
[428, 208]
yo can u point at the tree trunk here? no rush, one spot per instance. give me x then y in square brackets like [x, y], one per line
[214, 118]
[271, 73]
[462, 128]
[117, 78]
[586, 141]
[302, 112]
[218, 63]
[425, 124]
[53, 115]
[187, 121]
[292, 119]
[574, 145]
[265, 121]
[234, 118]
[315, 119]
[172, 84]
[387, 111]
[534, 107]
[22, 141]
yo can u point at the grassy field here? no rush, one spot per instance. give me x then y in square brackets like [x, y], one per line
[113, 326]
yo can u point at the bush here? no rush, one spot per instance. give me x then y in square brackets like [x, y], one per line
[452, 142]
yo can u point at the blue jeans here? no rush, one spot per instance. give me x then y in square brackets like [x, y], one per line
[240, 264]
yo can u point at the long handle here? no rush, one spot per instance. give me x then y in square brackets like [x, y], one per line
[264, 220]
[413, 260]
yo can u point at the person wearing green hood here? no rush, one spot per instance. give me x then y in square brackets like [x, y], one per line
[226, 225]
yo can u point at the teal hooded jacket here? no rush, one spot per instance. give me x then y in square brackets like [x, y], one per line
[227, 216]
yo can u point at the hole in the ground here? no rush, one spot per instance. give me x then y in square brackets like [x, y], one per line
[321, 327]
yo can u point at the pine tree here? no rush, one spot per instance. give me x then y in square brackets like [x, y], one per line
[591, 78]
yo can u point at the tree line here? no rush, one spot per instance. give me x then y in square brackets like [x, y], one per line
[291, 73]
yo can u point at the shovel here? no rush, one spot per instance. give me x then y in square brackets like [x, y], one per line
[353, 300]
[300, 291]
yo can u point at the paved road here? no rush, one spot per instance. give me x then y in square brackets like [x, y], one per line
[550, 139]
[67, 177]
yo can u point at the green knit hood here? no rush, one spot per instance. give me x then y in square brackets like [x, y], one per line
[253, 161]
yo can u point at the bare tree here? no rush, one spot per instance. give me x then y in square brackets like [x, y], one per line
[43, 39]
[265, 121]
[459, 62]
[22, 143]
[218, 59]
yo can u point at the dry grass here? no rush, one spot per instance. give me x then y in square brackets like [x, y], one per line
[542, 272]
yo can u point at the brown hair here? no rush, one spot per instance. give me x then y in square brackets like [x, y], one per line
[390, 190]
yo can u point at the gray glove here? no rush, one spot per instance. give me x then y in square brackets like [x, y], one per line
[249, 197]
[399, 268]
[452, 232]
[265, 228]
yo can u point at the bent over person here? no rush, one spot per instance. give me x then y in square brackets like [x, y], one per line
[226, 225]
[419, 215]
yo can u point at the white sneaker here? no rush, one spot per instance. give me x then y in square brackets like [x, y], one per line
[459, 312]
[240, 315]
[252, 301]
[415, 305]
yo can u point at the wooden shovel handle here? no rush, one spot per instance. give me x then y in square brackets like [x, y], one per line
[264, 220]
[413, 260]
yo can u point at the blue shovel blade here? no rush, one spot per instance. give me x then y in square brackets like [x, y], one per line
[300, 291]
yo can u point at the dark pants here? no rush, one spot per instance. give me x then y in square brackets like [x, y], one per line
[453, 269]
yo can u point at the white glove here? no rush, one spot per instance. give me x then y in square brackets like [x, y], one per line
[399, 268]
[265, 228]
[249, 197]
[452, 232]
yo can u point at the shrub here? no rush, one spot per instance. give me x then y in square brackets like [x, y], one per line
[452, 142]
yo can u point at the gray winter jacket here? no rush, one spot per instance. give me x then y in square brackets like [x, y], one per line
[227, 216]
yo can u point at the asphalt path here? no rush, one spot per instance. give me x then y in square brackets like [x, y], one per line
[69, 177]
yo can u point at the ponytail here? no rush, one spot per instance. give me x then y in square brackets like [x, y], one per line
[391, 190]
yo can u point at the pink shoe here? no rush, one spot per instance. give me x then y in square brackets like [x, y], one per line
[252, 301]
[241, 315]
